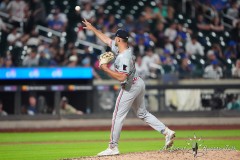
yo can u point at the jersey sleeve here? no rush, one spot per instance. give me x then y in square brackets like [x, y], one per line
[113, 47]
[124, 66]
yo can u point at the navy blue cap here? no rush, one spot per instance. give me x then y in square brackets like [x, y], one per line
[121, 33]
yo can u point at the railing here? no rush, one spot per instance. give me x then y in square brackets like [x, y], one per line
[50, 32]
[224, 17]
[62, 35]
[86, 43]
[229, 26]
[14, 18]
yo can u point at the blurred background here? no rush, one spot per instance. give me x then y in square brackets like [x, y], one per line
[187, 51]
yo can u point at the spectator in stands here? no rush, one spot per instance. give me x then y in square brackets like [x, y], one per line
[160, 10]
[141, 69]
[57, 57]
[89, 56]
[129, 23]
[16, 9]
[202, 24]
[158, 36]
[31, 59]
[183, 31]
[28, 19]
[66, 108]
[100, 12]
[2, 112]
[55, 42]
[167, 61]
[233, 103]
[231, 51]
[179, 47]
[151, 61]
[56, 23]
[38, 12]
[149, 15]
[193, 47]
[112, 30]
[213, 71]
[59, 17]
[171, 32]
[110, 22]
[185, 69]
[90, 36]
[73, 61]
[14, 38]
[44, 47]
[3, 26]
[3, 5]
[73, 51]
[61, 57]
[32, 106]
[82, 2]
[233, 11]
[170, 15]
[80, 33]
[216, 48]
[88, 13]
[235, 36]
[88, 61]
[43, 60]
[141, 24]
[100, 2]
[141, 35]
[140, 48]
[168, 45]
[8, 62]
[216, 24]
[33, 39]
[211, 57]
[236, 69]
[99, 23]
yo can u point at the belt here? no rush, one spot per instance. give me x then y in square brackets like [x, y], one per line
[135, 79]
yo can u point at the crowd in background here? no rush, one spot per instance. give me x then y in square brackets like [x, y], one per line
[161, 43]
[163, 38]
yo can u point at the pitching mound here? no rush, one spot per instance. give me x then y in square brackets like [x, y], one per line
[172, 155]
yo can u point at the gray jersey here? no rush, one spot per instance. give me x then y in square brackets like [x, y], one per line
[131, 96]
[125, 63]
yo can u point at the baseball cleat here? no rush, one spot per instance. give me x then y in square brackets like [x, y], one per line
[109, 152]
[169, 137]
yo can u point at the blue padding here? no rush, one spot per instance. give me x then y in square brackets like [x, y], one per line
[46, 73]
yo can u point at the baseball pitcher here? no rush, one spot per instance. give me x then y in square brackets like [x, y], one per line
[132, 92]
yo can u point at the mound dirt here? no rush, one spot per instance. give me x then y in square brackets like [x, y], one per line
[172, 155]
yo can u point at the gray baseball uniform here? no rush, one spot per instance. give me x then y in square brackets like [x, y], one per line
[131, 95]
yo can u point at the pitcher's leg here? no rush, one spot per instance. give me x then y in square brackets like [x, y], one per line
[142, 113]
[122, 107]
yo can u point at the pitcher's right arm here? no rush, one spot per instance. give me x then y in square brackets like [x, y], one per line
[98, 33]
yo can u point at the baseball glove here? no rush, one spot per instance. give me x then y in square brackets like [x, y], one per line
[105, 58]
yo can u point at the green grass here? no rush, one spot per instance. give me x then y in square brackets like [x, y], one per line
[59, 145]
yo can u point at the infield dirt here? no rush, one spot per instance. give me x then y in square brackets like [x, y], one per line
[172, 155]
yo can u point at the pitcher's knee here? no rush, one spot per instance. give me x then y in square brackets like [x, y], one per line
[142, 115]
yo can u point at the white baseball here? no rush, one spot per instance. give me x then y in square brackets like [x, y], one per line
[77, 8]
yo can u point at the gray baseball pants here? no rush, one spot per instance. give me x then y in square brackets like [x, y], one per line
[134, 98]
